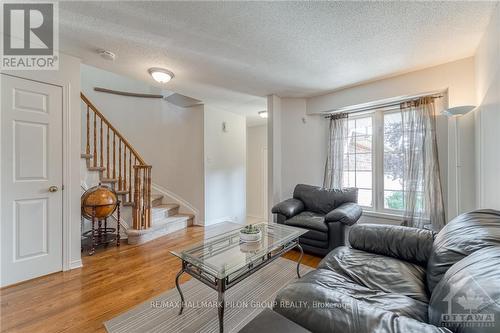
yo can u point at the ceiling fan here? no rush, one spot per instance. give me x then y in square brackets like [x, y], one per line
[174, 98]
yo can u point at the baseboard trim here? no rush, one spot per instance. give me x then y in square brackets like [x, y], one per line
[76, 264]
[256, 217]
[222, 219]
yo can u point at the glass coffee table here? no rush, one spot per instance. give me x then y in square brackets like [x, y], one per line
[222, 261]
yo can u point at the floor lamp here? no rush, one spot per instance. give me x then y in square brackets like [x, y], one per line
[456, 113]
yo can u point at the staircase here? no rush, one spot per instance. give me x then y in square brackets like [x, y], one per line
[165, 219]
[120, 166]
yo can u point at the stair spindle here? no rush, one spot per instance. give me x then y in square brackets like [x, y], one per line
[120, 165]
[87, 147]
[114, 155]
[101, 147]
[95, 140]
[107, 153]
[136, 208]
[148, 198]
[144, 196]
[135, 179]
[124, 168]
[130, 176]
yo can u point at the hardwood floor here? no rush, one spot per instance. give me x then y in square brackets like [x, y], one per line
[110, 282]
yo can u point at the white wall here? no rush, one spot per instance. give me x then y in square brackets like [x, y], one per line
[257, 171]
[488, 115]
[304, 139]
[302, 151]
[168, 137]
[456, 76]
[225, 167]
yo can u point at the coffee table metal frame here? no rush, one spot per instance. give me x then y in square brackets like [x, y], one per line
[222, 284]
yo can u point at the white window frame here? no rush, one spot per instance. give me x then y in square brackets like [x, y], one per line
[380, 152]
[378, 164]
[364, 115]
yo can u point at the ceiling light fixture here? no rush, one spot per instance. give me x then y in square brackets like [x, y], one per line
[161, 75]
[263, 114]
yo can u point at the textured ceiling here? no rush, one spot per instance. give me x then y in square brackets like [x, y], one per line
[232, 54]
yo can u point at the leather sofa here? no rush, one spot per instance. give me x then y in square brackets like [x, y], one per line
[402, 279]
[324, 212]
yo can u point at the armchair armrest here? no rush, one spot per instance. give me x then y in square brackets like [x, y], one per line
[289, 207]
[409, 244]
[348, 213]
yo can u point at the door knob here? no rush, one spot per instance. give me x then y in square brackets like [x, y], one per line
[53, 189]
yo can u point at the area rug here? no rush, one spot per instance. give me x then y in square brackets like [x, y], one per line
[243, 302]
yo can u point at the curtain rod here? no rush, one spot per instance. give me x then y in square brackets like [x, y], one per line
[369, 106]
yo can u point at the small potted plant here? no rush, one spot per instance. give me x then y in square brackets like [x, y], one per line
[250, 233]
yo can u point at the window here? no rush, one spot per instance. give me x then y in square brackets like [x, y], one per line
[374, 160]
[358, 161]
[393, 167]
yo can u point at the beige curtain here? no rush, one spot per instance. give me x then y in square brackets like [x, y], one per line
[337, 139]
[423, 195]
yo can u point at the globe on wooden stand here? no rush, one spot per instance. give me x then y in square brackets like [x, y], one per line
[99, 203]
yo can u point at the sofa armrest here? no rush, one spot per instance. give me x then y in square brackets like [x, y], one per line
[409, 244]
[348, 213]
[288, 208]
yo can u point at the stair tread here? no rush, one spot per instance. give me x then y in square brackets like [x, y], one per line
[164, 210]
[164, 207]
[84, 155]
[160, 228]
[157, 223]
[189, 215]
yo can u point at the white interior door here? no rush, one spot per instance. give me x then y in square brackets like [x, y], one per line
[31, 179]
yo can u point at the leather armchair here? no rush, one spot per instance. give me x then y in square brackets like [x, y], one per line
[325, 213]
[394, 279]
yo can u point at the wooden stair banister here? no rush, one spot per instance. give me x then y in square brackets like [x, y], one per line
[97, 146]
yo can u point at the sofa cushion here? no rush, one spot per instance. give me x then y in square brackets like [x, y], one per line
[314, 222]
[461, 237]
[378, 272]
[469, 292]
[320, 200]
[325, 301]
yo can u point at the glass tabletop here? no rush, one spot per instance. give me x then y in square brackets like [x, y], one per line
[225, 254]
